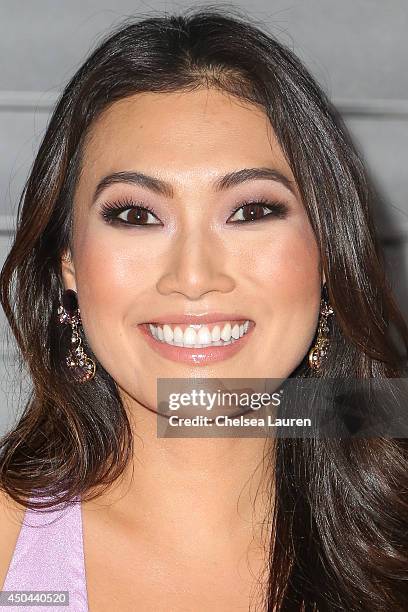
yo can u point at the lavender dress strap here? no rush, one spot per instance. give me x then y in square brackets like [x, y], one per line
[49, 556]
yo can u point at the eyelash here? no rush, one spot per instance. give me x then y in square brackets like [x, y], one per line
[111, 210]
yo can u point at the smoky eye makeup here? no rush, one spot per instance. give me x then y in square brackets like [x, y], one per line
[133, 213]
[113, 212]
[260, 209]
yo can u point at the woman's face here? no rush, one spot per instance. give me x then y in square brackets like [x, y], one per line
[192, 255]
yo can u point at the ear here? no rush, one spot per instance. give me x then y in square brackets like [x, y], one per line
[68, 270]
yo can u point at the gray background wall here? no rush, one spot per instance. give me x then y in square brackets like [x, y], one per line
[357, 49]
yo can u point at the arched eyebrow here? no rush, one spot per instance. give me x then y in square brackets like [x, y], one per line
[222, 183]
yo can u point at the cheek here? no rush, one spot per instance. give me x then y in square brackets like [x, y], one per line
[285, 277]
[285, 267]
[113, 268]
[112, 282]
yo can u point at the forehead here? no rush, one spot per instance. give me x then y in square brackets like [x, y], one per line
[181, 130]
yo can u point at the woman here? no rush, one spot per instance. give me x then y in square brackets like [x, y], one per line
[194, 172]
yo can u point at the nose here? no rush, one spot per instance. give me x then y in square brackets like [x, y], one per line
[194, 267]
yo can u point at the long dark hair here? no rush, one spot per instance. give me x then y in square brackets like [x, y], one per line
[340, 520]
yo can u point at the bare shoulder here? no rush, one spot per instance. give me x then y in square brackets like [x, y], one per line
[11, 518]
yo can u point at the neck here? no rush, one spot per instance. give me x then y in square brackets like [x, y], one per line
[201, 490]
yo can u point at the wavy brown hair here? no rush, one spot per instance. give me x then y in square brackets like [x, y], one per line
[339, 536]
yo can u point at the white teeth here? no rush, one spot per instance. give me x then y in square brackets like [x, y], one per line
[178, 335]
[204, 336]
[235, 331]
[167, 333]
[226, 332]
[216, 334]
[201, 338]
[190, 336]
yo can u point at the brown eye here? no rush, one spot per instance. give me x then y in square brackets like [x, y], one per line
[255, 211]
[127, 213]
[136, 215]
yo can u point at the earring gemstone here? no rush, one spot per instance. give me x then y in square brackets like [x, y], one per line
[70, 301]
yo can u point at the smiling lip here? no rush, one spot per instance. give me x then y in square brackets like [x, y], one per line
[196, 356]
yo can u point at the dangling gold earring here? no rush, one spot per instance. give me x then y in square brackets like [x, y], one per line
[319, 350]
[81, 365]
